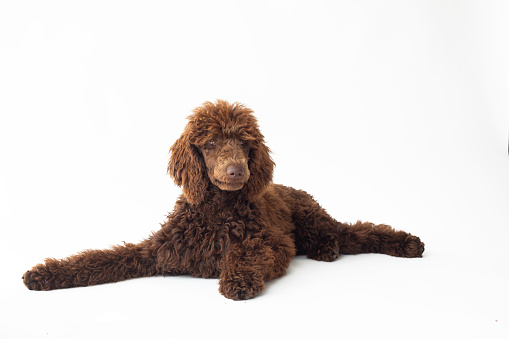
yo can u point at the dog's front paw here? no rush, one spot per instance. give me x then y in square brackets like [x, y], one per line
[48, 276]
[37, 279]
[414, 247]
[241, 285]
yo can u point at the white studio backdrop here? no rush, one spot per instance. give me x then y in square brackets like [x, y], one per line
[386, 111]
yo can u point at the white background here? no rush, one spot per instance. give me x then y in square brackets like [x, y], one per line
[386, 111]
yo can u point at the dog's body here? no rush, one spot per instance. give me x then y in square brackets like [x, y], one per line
[231, 221]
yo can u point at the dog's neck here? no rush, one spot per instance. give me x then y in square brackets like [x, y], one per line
[215, 199]
[219, 196]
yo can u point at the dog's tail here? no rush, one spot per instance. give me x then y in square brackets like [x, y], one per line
[92, 267]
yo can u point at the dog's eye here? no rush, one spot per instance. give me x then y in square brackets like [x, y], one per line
[242, 143]
[213, 142]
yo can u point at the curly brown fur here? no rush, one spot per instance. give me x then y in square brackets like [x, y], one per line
[231, 222]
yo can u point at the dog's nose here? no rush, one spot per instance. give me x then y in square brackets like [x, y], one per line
[235, 172]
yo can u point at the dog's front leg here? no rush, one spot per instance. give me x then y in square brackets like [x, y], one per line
[247, 266]
[91, 267]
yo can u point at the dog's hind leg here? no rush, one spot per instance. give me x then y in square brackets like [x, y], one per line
[366, 237]
[92, 267]
[321, 237]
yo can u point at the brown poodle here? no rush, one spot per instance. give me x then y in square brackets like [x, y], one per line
[231, 222]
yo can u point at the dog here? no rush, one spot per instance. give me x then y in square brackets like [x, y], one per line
[231, 221]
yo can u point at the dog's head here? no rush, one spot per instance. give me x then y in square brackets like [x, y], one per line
[222, 146]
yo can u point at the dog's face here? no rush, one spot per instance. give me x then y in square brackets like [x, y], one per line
[226, 160]
[221, 145]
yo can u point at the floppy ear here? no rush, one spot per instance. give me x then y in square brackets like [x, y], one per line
[261, 167]
[187, 168]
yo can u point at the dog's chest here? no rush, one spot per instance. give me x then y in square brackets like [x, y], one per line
[202, 238]
[217, 230]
